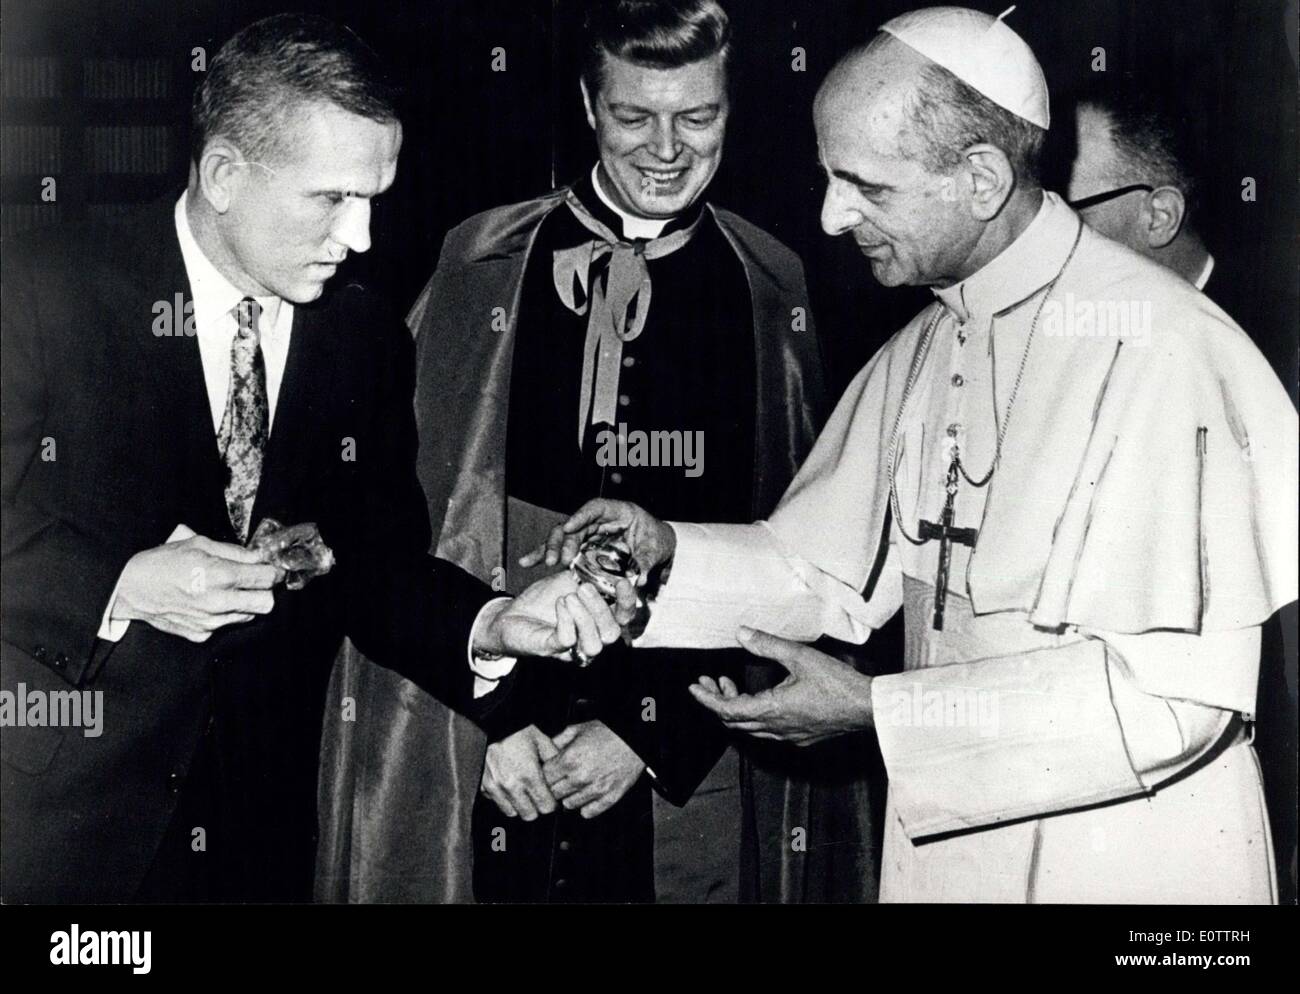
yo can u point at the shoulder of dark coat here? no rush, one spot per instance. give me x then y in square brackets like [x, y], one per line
[456, 246]
[77, 248]
[761, 243]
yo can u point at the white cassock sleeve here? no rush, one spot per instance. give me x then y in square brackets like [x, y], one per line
[726, 576]
[976, 743]
[994, 740]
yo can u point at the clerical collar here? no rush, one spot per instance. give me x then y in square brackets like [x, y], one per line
[1206, 270]
[1021, 269]
[593, 197]
[633, 226]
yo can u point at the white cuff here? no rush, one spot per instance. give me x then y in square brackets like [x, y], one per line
[487, 672]
[112, 629]
[726, 575]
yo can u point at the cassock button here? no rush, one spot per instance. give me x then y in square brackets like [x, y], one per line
[616, 477]
[957, 379]
[173, 782]
[624, 400]
[628, 361]
[561, 884]
[564, 845]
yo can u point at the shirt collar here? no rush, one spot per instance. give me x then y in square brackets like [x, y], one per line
[214, 295]
[1021, 269]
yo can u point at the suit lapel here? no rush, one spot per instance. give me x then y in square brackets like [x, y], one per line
[299, 412]
[147, 299]
[152, 282]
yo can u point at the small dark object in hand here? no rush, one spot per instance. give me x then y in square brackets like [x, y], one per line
[296, 549]
[602, 561]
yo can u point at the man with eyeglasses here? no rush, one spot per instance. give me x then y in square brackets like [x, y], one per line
[1134, 180]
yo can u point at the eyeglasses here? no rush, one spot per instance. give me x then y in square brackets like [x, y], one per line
[1101, 198]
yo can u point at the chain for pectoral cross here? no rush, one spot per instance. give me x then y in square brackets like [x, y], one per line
[944, 530]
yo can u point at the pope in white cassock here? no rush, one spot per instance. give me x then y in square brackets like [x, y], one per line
[1075, 475]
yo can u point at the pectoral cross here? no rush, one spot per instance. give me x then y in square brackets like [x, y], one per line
[946, 534]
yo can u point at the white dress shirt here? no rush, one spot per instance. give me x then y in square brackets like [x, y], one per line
[215, 298]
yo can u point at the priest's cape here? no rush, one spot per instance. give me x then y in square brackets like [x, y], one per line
[1142, 515]
[398, 784]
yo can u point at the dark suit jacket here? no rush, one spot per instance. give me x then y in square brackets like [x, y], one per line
[108, 444]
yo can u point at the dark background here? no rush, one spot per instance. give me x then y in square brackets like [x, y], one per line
[96, 94]
[477, 138]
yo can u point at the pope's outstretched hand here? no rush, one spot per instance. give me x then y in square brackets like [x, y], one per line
[651, 541]
[820, 698]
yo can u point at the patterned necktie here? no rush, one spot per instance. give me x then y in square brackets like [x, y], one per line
[243, 433]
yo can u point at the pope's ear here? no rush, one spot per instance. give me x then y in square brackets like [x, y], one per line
[991, 179]
[1162, 216]
[586, 104]
[221, 169]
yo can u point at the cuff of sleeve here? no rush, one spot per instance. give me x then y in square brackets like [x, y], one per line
[112, 629]
[1162, 735]
[488, 672]
[971, 744]
[724, 576]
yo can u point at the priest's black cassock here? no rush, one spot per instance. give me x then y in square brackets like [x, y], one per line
[690, 370]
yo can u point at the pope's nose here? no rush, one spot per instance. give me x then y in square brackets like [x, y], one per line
[838, 214]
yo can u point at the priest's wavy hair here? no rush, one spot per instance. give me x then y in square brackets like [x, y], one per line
[660, 34]
[271, 68]
[949, 117]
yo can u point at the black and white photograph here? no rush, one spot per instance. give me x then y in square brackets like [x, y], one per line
[486, 459]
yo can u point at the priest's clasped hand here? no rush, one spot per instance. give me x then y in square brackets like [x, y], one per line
[586, 768]
[593, 769]
[822, 697]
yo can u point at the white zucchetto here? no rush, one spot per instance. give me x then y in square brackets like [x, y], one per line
[982, 52]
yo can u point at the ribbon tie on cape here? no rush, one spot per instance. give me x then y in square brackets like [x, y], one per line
[607, 279]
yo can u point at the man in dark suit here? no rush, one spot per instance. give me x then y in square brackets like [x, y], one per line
[169, 383]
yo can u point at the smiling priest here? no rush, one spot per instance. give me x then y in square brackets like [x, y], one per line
[1085, 518]
[627, 305]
